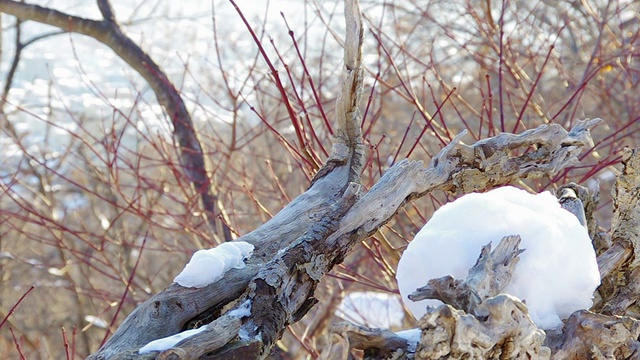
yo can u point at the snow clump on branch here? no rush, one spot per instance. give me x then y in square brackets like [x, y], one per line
[556, 275]
[209, 266]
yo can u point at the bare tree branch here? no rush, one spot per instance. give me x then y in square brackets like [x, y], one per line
[108, 32]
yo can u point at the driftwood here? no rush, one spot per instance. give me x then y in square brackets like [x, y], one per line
[488, 325]
[317, 229]
[486, 279]
[507, 333]
[378, 343]
[473, 324]
[621, 288]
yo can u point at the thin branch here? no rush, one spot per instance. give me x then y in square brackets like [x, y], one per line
[15, 306]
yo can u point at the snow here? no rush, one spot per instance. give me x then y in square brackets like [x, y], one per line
[209, 266]
[372, 309]
[242, 311]
[170, 341]
[556, 275]
[413, 338]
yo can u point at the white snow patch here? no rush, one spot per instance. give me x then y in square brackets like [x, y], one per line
[170, 341]
[209, 266]
[243, 310]
[243, 334]
[372, 309]
[413, 338]
[556, 275]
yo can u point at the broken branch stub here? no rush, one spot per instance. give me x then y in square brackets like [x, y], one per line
[507, 333]
[486, 279]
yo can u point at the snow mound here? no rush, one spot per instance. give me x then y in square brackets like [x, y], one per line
[556, 275]
[209, 266]
[371, 309]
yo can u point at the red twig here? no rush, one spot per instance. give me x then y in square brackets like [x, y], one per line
[66, 343]
[501, 56]
[533, 88]
[279, 85]
[13, 308]
[126, 291]
[425, 128]
[15, 341]
[306, 71]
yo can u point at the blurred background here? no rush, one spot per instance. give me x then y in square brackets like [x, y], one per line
[96, 213]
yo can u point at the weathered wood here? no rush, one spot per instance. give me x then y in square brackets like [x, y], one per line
[554, 149]
[476, 320]
[626, 205]
[621, 289]
[507, 333]
[217, 334]
[492, 272]
[486, 279]
[451, 291]
[587, 335]
[377, 343]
